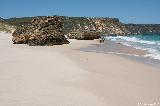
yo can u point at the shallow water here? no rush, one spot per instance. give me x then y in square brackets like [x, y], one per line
[150, 43]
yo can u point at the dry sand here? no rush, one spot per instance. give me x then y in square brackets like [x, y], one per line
[66, 76]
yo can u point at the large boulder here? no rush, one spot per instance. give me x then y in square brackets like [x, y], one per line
[42, 31]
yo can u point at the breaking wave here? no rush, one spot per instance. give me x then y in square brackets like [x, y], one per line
[150, 43]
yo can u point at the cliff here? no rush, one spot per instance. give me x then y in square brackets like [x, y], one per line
[142, 29]
[77, 26]
[74, 27]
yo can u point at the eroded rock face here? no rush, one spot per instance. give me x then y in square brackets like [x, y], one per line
[43, 31]
[84, 35]
[91, 28]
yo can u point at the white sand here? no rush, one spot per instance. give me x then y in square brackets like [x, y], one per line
[64, 76]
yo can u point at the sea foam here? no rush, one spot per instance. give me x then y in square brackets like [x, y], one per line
[149, 43]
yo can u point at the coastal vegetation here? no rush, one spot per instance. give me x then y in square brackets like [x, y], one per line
[6, 28]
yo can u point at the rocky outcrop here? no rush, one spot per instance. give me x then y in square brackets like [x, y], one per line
[51, 30]
[42, 31]
[134, 29]
[108, 26]
[77, 26]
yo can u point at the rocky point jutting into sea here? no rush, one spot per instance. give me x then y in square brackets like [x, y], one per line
[50, 30]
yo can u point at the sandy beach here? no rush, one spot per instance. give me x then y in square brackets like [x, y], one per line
[64, 75]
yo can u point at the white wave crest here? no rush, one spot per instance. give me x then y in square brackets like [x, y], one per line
[130, 39]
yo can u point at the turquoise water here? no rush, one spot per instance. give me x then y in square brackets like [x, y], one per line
[150, 43]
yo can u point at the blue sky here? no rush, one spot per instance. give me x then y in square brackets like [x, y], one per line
[128, 11]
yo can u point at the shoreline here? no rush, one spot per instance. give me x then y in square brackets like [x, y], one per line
[66, 75]
[123, 81]
[110, 47]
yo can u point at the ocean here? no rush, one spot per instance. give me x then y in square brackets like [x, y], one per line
[149, 43]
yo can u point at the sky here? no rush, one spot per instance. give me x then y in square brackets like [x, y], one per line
[128, 11]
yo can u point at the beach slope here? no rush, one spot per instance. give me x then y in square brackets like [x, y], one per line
[65, 76]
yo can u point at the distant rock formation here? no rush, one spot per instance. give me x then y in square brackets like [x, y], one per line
[42, 31]
[135, 29]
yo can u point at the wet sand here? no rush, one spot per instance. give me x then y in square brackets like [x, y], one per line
[67, 76]
[110, 47]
